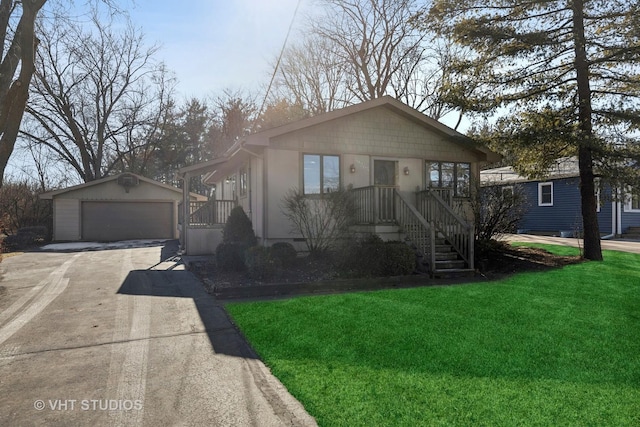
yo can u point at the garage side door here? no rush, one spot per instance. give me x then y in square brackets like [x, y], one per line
[111, 221]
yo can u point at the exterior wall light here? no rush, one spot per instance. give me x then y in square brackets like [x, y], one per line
[352, 168]
[406, 170]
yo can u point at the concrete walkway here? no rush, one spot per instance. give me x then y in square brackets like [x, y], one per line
[632, 246]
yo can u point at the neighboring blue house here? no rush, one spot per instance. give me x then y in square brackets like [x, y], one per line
[554, 203]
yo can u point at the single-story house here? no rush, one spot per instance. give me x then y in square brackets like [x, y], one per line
[119, 207]
[406, 171]
[554, 203]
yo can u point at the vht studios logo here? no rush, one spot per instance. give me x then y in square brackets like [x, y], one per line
[88, 405]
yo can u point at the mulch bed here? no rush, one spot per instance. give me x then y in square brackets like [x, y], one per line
[320, 276]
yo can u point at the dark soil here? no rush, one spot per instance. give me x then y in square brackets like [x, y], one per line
[304, 270]
[500, 261]
[507, 260]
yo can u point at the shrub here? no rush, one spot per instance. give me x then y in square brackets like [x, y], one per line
[497, 210]
[398, 259]
[230, 256]
[237, 237]
[284, 253]
[26, 237]
[371, 257]
[260, 263]
[238, 229]
[321, 220]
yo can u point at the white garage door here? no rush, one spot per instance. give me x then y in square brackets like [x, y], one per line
[111, 221]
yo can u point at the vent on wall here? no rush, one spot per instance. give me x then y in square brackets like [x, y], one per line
[128, 181]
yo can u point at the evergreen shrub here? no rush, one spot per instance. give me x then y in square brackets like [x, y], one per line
[284, 253]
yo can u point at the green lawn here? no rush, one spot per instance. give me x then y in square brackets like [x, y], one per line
[555, 348]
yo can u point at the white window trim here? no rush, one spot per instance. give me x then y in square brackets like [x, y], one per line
[544, 184]
[627, 202]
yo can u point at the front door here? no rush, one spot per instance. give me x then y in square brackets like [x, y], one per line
[384, 172]
[384, 178]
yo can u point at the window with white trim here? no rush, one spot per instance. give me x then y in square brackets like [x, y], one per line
[507, 191]
[633, 201]
[545, 194]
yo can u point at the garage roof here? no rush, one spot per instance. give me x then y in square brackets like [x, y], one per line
[51, 194]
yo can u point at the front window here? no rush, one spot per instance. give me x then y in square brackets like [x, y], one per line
[455, 176]
[321, 173]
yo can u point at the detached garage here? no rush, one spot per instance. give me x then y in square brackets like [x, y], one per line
[122, 207]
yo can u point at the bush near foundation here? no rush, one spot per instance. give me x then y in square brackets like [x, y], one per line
[239, 229]
[230, 256]
[372, 257]
[260, 263]
[284, 253]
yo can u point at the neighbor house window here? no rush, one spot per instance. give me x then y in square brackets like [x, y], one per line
[545, 194]
[455, 176]
[243, 181]
[321, 173]
[507, 192]
[633, 201]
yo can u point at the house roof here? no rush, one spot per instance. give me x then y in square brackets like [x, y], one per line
[51, 194]
[254, 143]
[565, 167]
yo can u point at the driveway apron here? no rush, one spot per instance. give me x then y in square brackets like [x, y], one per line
[126, 337]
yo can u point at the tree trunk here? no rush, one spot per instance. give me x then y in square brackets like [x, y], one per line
[12, 104]
[592, 248]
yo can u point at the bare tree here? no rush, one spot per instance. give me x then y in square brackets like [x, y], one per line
[363, 49]
[312, 74]
[97, 97]
[18, 43]
[376, 42]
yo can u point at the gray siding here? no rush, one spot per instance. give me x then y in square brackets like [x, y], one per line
[67, 219]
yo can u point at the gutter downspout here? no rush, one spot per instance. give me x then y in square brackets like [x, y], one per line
[615, 209]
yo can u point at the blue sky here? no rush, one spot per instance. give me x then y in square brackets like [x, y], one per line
[212, 45]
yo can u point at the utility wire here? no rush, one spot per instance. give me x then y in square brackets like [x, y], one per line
[275, 69]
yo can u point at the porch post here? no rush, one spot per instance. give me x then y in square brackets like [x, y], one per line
[185, 210]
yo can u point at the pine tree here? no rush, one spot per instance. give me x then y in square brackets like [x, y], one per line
[564, 76]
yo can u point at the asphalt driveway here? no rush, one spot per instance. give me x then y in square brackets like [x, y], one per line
[126, 337]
